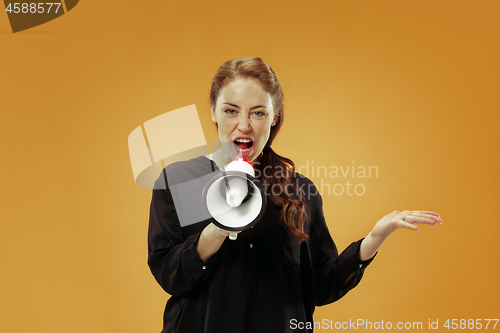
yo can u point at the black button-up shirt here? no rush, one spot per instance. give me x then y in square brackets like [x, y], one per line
[261, 282]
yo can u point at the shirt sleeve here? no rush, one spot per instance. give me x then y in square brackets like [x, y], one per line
[172, 257]
[335, 274]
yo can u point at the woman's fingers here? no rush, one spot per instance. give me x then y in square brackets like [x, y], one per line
[428, 214]
[400, 223]
[225, 232]
[420, 219]
[424, 217]
[434, 217]
[423, 212]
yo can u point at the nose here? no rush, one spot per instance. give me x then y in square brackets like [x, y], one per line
[244, 123]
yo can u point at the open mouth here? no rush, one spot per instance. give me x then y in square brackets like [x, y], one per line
[243, 146]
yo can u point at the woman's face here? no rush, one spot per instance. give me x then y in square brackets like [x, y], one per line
[244, 114]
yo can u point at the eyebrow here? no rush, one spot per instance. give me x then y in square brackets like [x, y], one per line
[252, 108]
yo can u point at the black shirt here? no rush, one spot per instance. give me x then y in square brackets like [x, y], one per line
[258, 283]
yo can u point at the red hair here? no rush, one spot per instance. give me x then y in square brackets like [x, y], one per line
[293, 209]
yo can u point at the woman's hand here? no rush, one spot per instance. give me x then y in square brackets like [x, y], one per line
[405, 219]
[211, 240]
[390, 223]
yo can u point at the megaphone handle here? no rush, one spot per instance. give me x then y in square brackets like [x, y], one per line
[233, 235]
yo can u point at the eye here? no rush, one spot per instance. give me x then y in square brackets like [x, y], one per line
[230, 111]
[259, 113]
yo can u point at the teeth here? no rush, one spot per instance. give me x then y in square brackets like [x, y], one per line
[243, 140]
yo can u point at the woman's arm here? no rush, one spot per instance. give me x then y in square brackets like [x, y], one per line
[334, 274]
[390, 223]
[173, 257]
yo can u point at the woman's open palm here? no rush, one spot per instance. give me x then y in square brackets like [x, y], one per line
[405, 219]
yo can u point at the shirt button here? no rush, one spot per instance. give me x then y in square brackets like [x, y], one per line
[204, 267]
[251, 227]
[360, 265]
[251, 245]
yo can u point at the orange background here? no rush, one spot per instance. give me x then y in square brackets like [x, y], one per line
[408, 86]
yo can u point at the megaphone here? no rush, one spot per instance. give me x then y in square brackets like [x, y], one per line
[235, 199]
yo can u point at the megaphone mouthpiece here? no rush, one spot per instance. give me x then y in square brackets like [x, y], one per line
[241, 164]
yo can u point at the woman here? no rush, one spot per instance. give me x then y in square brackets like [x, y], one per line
[275, 273]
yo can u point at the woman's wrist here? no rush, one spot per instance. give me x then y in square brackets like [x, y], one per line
[209, 242]
[369, 246]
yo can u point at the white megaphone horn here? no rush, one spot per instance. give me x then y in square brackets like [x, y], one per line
[235, 199]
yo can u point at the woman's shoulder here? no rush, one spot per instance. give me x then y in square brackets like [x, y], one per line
[300, 178]
[184, 171]
[302, 181]
[200, 164]
[307, 187]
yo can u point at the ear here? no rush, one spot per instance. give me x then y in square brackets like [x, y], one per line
[275, 121]
[212, 112]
